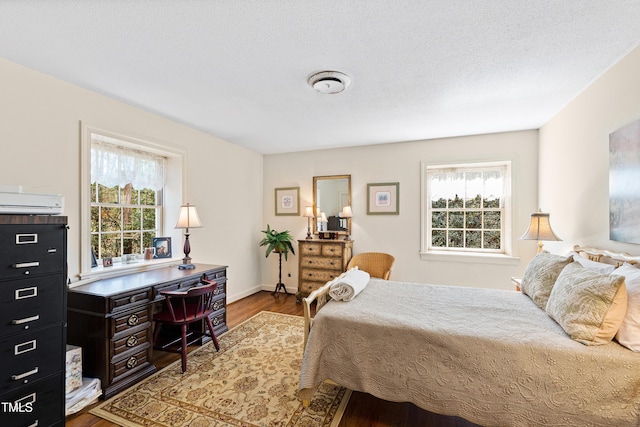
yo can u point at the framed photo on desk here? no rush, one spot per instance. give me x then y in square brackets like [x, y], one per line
[162, 247]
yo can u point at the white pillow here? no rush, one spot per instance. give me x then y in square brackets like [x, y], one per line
[598, 267]
[629, 333]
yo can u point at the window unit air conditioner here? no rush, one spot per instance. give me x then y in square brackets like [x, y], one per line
[31, 203]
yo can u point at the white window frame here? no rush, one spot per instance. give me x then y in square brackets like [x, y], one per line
[466, 254]
[172, 196]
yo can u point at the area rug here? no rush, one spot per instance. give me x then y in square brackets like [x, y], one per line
[252, 381]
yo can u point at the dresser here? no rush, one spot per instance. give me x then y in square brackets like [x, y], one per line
[111, 319]
[320, 261]
[33, 265]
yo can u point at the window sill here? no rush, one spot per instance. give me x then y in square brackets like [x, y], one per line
[121, 269]
[470, 258]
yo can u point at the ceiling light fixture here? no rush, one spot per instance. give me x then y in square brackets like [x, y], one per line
[329, 82]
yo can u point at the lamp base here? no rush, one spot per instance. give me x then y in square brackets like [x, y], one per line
[186, 266]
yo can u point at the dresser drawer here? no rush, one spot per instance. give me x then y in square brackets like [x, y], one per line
[323, 276]
[314, 249]
[307, 286]
[36, 404]
[30, 356]
[322, 262]
[332, 249]
[31, 250]
[31, 303]
[130, 341]
[127, 300]
[123, 323]
[121, 368]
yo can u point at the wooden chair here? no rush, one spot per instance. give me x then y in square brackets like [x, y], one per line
[377, 264]
[183, 308]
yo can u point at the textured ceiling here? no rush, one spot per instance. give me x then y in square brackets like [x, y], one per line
[238, 69]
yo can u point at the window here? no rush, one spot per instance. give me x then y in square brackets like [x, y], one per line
[131, 192]
[466, 208]
[126, 198]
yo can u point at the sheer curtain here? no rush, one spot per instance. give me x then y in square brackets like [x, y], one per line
[113, 165]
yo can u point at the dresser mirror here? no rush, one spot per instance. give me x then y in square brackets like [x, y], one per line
[330, 195]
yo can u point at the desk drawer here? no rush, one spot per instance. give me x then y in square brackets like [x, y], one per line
[127, 300]
[130, 364]
[31, 303]
[129, 341]
[30, 356]
[134, 319]
[42, 404]
[27, 250]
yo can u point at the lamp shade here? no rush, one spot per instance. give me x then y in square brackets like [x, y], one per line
[323, 217]
[540, 228]
[346, 212]
[308, 212]
[188, 217]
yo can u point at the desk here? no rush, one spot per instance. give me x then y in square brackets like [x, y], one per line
[111, 320]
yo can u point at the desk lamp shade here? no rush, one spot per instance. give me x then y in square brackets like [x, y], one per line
[540, 230]
[187, 219]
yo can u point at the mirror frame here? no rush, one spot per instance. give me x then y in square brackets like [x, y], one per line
[315, 204]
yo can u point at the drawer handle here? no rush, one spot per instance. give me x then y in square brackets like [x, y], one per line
[24, 375]
[133, 320]
[217, 305]
[52, 250]
[27, 264]
[24, 347]
[132, 341]
[132, 362]
[25, 320]
[25, 239]
[26, 293]
[216, 321]
[132, 299]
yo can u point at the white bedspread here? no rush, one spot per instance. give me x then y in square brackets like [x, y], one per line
[489, 356]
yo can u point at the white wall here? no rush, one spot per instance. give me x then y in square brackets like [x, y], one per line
[574, 157]
[400, 234]
[40, 138]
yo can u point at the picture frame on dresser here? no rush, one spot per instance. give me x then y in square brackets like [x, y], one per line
[287, 201]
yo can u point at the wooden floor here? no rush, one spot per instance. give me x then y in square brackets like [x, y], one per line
[363, 409]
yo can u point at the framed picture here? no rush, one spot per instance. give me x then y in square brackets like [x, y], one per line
[383, 198]
[162, 246]
[288, 201]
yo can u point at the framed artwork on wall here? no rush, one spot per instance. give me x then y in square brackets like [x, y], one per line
[162, 246]
[624, 174]
[383, 198]
[288, 201]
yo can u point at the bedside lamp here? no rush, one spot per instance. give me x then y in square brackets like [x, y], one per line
[323, 220]
[308, 212]
[540, 229]
[346, 213]
[188, 219]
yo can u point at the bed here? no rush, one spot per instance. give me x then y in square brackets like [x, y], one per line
[493, 357]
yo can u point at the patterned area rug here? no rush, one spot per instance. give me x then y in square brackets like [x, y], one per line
[252, 381]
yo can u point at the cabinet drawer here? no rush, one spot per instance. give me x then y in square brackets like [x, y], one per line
[218, 319]
[323, 276]
[30, 356]
[310, 248]
[121, 368]
[332, 249]
[308, 287]
[130, 341]
[37, 404]
[31, 250]
[322, 262]
[126, 322]
[31, 303]
[125, 301]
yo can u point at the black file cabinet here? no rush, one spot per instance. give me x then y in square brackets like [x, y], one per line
[33, 274]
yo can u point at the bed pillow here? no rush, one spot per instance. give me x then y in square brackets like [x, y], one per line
[599, 267]
[629, 333]
[541, 274]
[589, 306]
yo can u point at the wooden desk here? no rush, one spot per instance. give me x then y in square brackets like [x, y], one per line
[111, 320]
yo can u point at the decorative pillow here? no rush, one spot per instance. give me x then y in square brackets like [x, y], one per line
[589, 306]
[541, 274]
[598, 267]
[629, 333]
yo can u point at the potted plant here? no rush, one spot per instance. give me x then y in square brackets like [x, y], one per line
[280, 243]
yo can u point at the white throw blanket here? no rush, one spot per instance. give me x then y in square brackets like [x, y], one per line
[349, 284]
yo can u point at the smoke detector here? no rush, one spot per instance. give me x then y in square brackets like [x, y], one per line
[329, 82]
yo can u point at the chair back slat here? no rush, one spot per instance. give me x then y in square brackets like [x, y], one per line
[196, 303]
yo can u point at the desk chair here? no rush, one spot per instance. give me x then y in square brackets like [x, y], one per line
[182, 308]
